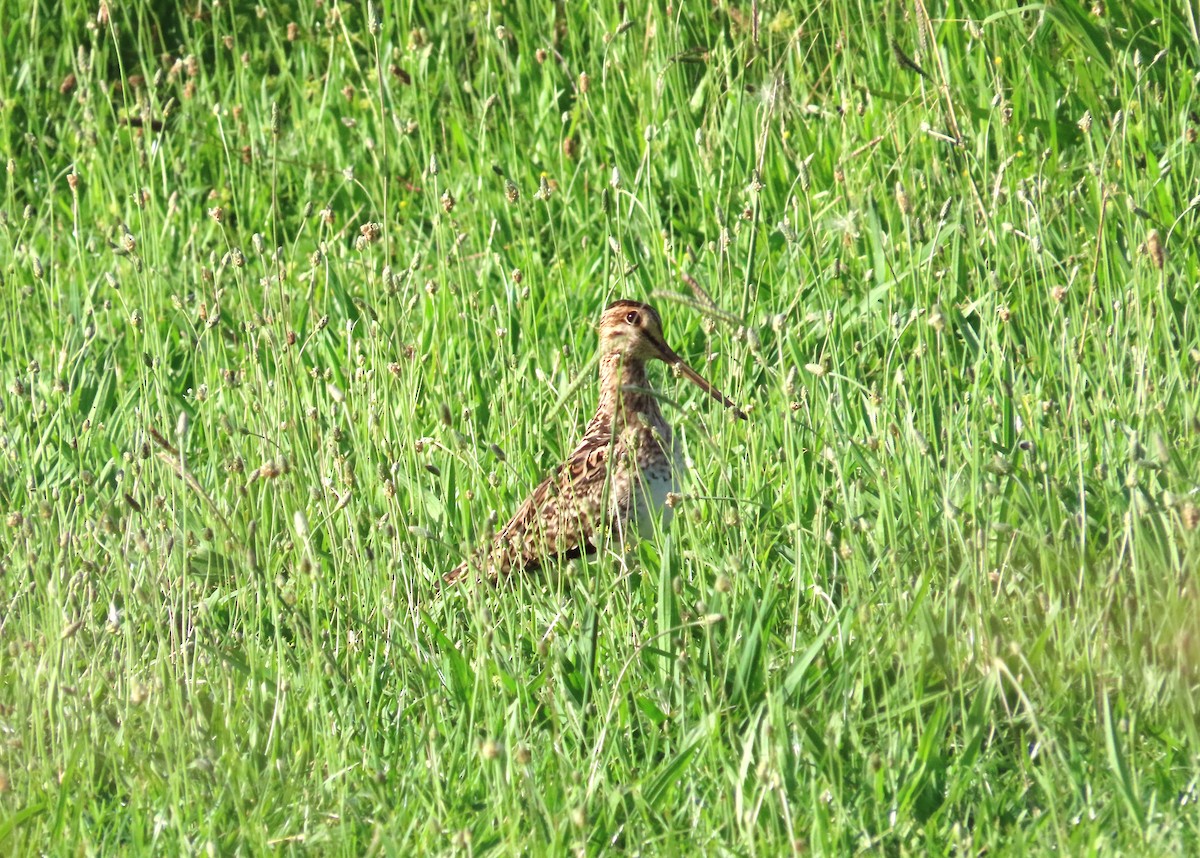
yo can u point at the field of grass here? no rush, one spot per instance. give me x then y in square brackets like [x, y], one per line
[299, 298]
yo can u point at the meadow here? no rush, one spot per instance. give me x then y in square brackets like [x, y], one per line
[298, 301]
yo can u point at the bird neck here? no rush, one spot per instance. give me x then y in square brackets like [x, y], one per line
[624, 390]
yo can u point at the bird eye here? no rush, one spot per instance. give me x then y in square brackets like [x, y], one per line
[632, 317]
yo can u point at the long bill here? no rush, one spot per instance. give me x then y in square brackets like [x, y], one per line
[674, 360]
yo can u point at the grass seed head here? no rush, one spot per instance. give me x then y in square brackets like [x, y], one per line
[371, 231]
[1155, 249]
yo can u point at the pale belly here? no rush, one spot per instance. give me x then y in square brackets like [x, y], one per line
[658, 478]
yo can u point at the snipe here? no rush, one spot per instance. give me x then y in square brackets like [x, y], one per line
[626, 464]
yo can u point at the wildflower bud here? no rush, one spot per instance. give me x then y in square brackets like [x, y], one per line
[300, 523]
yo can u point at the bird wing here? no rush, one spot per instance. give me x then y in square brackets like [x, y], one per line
[560, 517]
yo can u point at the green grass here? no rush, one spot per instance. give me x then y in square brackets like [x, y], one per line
[940, 594]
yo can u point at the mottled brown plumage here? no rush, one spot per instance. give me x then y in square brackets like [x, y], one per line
[624, 467]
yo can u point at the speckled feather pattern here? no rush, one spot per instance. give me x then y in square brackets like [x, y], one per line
[626, 462]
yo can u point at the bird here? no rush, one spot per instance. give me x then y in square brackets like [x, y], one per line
[620, 473]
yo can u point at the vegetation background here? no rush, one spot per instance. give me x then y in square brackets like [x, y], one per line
[298, 298]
